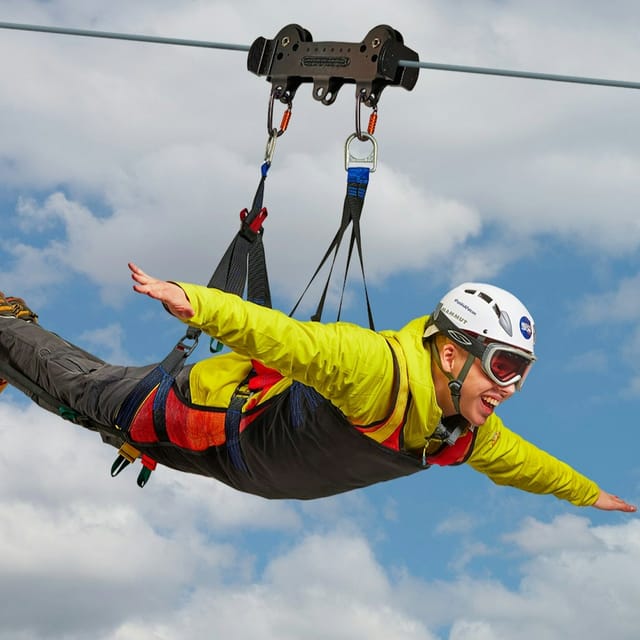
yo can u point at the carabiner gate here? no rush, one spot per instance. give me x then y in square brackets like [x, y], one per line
[284, 97]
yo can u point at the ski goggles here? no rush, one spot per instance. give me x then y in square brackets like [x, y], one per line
[503, 364]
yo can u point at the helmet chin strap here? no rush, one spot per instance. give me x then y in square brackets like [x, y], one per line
[455, 384]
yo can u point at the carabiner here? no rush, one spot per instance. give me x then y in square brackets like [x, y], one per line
[185, 348]
[283, 96]
[372, 102]
[271, 147]
[350, 159]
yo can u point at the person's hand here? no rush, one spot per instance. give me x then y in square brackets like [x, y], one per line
[170, 294]
[609, 502]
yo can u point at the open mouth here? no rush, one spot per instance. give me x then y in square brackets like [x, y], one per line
[490, 403]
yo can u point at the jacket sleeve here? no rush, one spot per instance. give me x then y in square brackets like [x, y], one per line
[508, 459]
[349, 365]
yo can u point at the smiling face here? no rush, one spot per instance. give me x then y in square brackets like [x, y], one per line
[480, 395]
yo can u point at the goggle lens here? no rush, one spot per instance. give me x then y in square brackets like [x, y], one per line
[507, 366]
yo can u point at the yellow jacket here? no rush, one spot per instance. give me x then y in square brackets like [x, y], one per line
[353, 368]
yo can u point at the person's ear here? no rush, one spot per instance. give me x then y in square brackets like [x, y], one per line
[448, 354]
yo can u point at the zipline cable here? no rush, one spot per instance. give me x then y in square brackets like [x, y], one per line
[529, 75]
[521, 74]
[124, 36]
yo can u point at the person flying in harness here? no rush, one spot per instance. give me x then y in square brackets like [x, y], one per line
[304, 409]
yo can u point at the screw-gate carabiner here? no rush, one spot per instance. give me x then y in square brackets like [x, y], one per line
[371, 101]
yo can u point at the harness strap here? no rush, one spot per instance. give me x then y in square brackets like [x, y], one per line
[243, 264]
[159, 403]
[133, 401]
[244, 261]
[357, 182]
[232, 421]
[389, 430]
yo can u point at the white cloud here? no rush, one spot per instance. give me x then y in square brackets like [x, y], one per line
[107, 340]
[73, 539]
[167, 141]
[593, 360]
[325, 587]
[575, 583]
[458, 522]
[618, 306]
[125, 151]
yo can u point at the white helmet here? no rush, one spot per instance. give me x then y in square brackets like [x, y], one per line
[487, 312]
[490, 324]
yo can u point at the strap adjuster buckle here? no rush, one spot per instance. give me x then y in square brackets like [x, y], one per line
[255, 226]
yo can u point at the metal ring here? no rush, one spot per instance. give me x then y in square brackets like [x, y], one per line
[371, 159]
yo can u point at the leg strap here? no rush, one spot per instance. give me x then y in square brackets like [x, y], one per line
[232, 426]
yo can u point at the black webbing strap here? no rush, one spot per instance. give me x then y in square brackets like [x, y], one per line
[233, 416]
[244, 261]
[133, 401]
[242, 265]
[357, 181]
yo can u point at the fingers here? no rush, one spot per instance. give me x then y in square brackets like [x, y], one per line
[621, 505]
[147, 284]
[144, 284]
[169, 293]
[139, 275]
[609, 502]
[136, 271]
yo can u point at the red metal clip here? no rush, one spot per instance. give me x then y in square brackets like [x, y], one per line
[256, 225]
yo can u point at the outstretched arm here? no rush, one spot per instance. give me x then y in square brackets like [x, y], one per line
[169, 293]
[609, 502]
[509, 459]
[349, 365]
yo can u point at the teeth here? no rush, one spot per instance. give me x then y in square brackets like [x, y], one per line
[492, 401]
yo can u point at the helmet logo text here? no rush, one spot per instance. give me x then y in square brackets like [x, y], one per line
[466, 307]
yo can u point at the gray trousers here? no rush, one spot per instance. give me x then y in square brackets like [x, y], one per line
[300, 446]
[78, 379]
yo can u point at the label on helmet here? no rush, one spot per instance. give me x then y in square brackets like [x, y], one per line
[466, 307]
[526, 328]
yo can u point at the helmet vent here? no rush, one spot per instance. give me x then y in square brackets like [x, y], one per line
[505, 321]
[503, 316]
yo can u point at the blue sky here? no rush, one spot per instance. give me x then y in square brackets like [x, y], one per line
[114, 151]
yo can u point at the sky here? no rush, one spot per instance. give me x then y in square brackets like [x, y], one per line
[114, 151]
